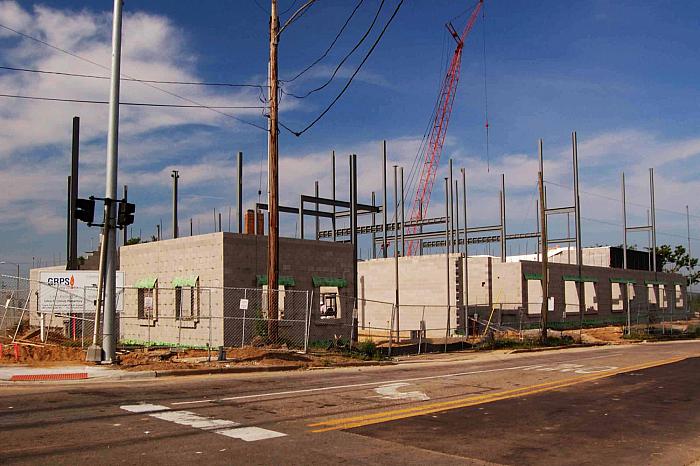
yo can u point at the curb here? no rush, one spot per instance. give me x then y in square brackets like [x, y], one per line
[553, 348]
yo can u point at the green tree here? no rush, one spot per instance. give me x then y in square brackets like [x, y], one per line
[133, 240]
[677, 260]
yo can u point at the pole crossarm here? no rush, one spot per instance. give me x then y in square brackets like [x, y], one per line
[640, 228]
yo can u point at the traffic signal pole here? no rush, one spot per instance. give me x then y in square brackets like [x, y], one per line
[109, 231]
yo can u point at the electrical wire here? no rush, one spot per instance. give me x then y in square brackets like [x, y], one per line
[297, 14]
[186, 99]
[342, 62]
[94, 76]
[133, 104]
[289, 9]
[325, 54]
[359, 67]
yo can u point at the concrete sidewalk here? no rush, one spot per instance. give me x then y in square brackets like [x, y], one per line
[63, 373]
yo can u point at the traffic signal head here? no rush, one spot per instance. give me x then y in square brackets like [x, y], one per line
[85, 210]
[126, 214]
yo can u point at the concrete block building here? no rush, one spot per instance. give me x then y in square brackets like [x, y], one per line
[511, 292]
[199, 282]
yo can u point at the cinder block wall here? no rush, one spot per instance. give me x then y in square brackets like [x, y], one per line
[200, 255]
[245, 257]
[422, 292]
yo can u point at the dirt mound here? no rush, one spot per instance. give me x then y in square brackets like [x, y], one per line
[42, 355]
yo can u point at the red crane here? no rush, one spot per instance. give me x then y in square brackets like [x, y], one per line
[438, 130]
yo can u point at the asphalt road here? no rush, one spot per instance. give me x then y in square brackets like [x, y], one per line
[607, 405]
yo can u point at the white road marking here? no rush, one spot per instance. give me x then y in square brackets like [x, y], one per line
[370, 384]
[250, 434]
[190, 419]
[354, 385]
[391, 391]
[566, 367]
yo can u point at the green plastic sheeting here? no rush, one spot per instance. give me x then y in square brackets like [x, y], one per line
[185, 282]
[148, 282]
[623, 280]
[324, 281]
[576, 278]
[533, 276]
[284, 281]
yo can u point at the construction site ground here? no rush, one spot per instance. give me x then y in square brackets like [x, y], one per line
[30, 352]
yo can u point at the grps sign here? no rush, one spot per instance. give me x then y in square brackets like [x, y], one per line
[73, 292]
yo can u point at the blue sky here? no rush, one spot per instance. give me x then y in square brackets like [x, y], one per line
[623, 74]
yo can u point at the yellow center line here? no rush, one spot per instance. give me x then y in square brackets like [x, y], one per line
[391, 415]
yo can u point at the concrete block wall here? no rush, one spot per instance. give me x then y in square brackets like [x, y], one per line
[201, 256]
[422, 292]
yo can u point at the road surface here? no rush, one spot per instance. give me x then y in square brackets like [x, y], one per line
[636, 404]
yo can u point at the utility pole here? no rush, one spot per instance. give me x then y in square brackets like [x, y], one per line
[73, 226]
[545, 281]
[273, 179]
[239, 196]
[175, 175]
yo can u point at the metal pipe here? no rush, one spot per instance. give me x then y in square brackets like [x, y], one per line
[239, 196]
[396, 253]
[301, 217]
[385, 245]
[108, 333]
[577, 204]
[69, 264]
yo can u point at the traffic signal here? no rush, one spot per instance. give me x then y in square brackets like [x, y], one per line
[85, 210]
[126, 214]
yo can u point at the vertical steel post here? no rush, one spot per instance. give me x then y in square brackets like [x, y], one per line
[577, 203]
[317, 223]
[73, 228]
[108, 331]
[624, 223]
[333, 189]
[458, 231]
[653, 220]
[353, 231]
[466, 253]
[545, 271]
[503, 217]
[239, 196]
[396, 254]
[448, 201]
[384, 208]
[301, 217]
[403, 213]
[176, 175]
[452, 212]
[374, 227]
[69, 200]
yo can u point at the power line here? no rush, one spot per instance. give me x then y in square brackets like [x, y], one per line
[186, 99]
[133, 104]
[297, 14]
[325, 54]
[290, 8]
[340, 94]
[362, 39]
[94, 76]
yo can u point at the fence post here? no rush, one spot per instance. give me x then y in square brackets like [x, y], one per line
[391, 329]
[222, 323]
[245, 296]
[306, 324]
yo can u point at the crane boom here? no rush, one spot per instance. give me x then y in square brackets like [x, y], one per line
[438, 130]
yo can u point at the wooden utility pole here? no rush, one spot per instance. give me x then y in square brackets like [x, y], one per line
[545, 277]
[273, 181]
